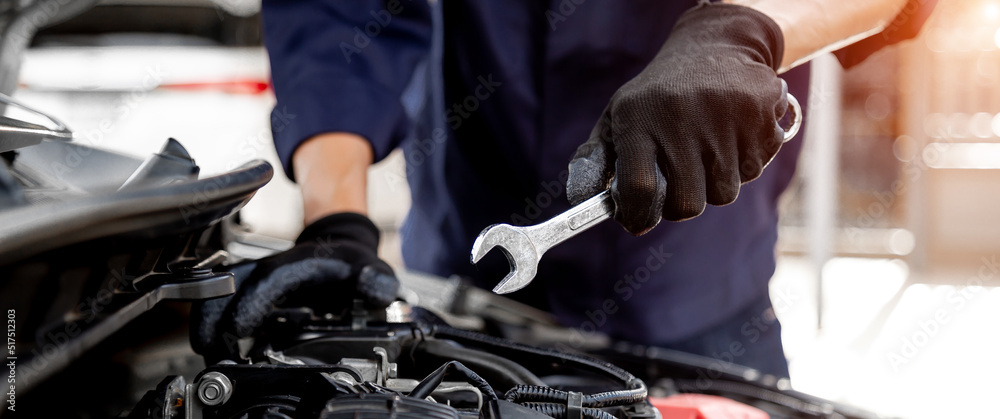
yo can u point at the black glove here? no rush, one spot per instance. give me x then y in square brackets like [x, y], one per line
[334, 262]
[700, 119]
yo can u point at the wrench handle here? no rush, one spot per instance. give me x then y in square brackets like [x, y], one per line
[572, 222]
[598, 208]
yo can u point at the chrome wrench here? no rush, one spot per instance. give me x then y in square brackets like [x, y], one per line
[524, 246]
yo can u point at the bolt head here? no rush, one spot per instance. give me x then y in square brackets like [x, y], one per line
[215, 389]
[211, 391]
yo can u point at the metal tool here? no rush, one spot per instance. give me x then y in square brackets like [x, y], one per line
[524, 246]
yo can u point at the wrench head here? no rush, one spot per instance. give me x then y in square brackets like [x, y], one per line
[517, 247]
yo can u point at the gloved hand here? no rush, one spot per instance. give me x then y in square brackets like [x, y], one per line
[698, 121]
[334, 261]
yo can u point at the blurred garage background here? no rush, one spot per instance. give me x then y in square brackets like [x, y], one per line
[890, 238]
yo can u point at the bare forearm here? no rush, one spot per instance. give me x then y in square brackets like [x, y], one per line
[332, 171]
[811, 27]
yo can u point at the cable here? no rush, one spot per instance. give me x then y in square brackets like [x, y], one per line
[522, 393]
[559, 357]
[491, 408]
[634, 392]
[490, 365]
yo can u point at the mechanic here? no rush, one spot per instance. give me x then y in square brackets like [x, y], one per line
[490, 100]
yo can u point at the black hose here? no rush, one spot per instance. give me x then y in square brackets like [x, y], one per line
[634, 392]
[458, 334]
[558, 411]
[503, 369]
[433, 380]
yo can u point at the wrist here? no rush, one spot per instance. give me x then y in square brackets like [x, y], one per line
[813, 27]
[331, 170]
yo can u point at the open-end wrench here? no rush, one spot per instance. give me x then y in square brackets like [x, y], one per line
[524, 246]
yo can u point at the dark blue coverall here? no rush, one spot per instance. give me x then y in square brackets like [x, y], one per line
[489, 100]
